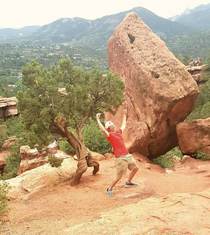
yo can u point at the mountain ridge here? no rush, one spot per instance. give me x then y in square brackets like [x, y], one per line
[188, 11]
[197, 18]
[97, 32]
[163, 27]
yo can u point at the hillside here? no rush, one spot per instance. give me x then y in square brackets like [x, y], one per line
[194, 44]
[96, 33]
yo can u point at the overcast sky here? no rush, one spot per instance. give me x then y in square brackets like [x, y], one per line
[20, 13]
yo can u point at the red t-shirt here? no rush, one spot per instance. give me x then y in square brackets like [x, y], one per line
[117, 142]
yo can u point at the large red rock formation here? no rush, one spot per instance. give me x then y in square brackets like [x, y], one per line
[159, 91]
[31, 158]
[194, 135]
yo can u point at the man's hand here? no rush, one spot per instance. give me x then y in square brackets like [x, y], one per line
[98, 115]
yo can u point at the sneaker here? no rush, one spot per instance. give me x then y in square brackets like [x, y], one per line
[110, 192]
[127, 185]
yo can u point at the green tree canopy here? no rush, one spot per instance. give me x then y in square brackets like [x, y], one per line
[63, 99]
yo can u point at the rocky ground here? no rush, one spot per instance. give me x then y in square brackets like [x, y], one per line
[61, 209]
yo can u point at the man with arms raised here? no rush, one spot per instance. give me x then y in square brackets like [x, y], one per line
[123, 160]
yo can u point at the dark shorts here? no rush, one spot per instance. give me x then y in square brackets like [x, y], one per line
[123, 163]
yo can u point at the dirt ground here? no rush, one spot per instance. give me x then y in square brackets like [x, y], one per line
[61, 206]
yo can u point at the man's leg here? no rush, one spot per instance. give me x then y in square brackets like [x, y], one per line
[121, 167]
[114, 182]
[132, 174]
[133, 167]
[109, 190]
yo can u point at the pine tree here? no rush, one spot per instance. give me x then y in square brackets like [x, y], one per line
[63, 99]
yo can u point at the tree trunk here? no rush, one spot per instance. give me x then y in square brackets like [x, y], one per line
[84, 155]
[91, 162]
[85, 160]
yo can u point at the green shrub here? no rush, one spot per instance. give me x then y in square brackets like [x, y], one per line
[7, 176]
[4, 188]
[164, 161]
[8, 128]
[13, 126]
[203, 156]
[167, 160]
[3, 135]
[54, 162]
[14, 158]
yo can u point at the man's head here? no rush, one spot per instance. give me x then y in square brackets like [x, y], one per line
[109, 126]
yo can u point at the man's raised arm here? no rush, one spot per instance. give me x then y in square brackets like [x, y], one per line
[102, 128]
[124, 119]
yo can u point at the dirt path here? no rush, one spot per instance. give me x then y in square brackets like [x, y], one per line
[61, 206]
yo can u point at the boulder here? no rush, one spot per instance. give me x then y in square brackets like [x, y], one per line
[98, 156]
[32, 158]
[194, 135]
[9, 142]
[159, 91]
[3, 155]
[2, 165]
[8, 107]
[33, 181]
[109, 155]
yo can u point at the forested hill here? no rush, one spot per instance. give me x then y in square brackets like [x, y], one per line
[95, 33]
[194, 44]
